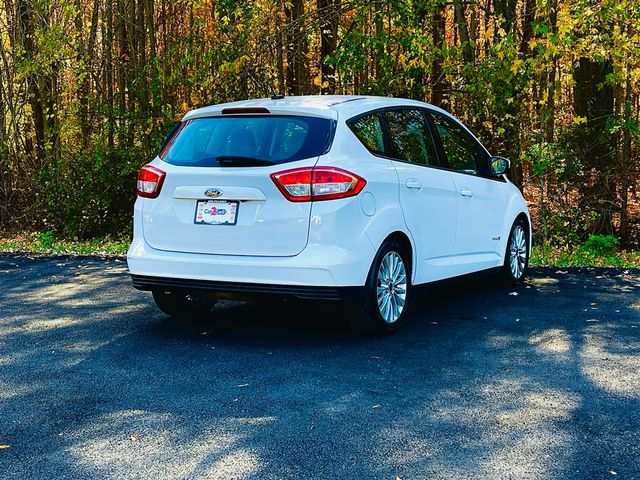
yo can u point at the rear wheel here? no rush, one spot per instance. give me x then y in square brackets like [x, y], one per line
[387, 292]
[516, 259]
[183, 305]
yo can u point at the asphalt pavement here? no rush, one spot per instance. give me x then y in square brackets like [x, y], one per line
[540, 381]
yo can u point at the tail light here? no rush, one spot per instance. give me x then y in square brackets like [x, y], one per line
[150, 181]
[317, 183]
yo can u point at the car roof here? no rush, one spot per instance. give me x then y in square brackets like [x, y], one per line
[328, 106]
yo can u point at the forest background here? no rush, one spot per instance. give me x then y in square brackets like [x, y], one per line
[89, 89]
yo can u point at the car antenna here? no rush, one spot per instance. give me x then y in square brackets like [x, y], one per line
[277, 96]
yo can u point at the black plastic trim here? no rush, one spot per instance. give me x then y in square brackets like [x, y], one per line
[148, 283]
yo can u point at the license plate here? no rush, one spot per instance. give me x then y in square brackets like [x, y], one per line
[216, 212]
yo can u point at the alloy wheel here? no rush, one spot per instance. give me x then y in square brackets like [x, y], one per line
[391, 287]
[517, 252]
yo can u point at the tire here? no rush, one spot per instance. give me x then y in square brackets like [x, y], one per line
[182, 305]
[387, 292]
[516, 256]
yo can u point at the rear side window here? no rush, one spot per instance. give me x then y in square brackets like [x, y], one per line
[462, 152]
[410, 137]
[274, 139]
[369, 131]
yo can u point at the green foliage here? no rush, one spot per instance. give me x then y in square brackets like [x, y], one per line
[548, 255]
[32, 243]
[600, 245]
[46, 240]
[566, 226]
[89, 196]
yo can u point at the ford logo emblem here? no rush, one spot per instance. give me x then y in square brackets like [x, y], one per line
[213, 192]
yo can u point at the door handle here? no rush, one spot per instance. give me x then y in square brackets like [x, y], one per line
[413, 184]
[466, 192]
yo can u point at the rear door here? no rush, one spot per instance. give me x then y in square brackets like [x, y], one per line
[427, 193]
[481, 199]
[218, 197]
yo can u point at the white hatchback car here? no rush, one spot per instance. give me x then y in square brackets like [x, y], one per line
[350, 198]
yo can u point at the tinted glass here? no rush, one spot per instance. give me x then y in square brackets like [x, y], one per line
[169, 136]
[369, 132]
[277, 139]
[410, 137]
[463, 154]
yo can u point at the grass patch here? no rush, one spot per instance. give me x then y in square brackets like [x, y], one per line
[549, 256]
[47, 242]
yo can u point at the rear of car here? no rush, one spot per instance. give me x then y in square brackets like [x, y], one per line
[228, 207]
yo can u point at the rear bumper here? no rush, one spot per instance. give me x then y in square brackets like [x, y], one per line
[145, 282]
[317, 266]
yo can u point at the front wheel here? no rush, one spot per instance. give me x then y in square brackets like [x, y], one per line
[183, 305]
[387, 291]
[516, 260]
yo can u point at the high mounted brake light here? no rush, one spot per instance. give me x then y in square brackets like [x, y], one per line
[241, 110]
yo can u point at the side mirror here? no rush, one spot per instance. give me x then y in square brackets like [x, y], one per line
[500, 165]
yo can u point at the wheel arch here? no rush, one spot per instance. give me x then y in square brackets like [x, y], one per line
[527, 221]
[516, 209]
[514, 217]
[408, 248]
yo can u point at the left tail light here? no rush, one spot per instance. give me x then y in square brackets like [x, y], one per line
[150, 181]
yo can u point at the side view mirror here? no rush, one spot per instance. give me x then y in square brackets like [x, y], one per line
[500, 165]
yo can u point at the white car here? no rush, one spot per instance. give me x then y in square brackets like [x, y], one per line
[341, 198]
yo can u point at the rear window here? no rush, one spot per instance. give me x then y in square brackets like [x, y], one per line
[274, 139]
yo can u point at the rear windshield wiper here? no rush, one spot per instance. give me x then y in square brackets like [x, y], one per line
[239, 161]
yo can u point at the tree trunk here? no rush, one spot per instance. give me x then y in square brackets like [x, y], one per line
[550, 107]
[437, 75]
[528, 15]
[506, 9]
[377, 20]
[463, 31]
[280, 57]
[624, 171]
[84, 67]
[328, 10]
[26, 32]
[296, 48]
[124, 55]
[594, 101]
[153, 72]
[108, 47]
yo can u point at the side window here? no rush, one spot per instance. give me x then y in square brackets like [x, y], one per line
[462, 152]
[410, 137]
[369, 131]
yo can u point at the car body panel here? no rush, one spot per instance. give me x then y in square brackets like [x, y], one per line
[479, 221]
[428, 199]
